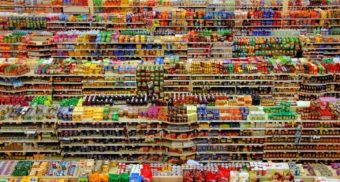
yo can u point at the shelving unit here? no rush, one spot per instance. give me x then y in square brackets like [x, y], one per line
[77, 84]
[171, 81]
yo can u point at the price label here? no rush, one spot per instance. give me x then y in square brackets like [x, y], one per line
[28, 132]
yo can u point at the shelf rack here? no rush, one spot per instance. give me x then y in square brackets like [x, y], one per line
[190, 82]
[70, 145]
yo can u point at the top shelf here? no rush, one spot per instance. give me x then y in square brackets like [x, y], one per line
[248, 6]
[213, 6]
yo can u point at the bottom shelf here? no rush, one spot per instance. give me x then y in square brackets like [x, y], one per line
[84, 170]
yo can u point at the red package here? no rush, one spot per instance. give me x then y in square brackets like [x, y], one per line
[223, 174]
[199, 176]
[188, 176]
[210, 177]
[146, 173]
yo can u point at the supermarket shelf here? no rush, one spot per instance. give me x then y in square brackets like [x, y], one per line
[142, 137]
[144, 129]
[123, 120]
[178, 131]
[301, 159]
[177, 81]
[221, 129]
[156, 121]
[6, 84]
[287, 87]
[313, 129]
[67, 90]
[10, 51]
[27, 121]
[84, 43]
[39, 90]
[316, 151]
[177, 123]
[175, 86]
[283, 20]
[322, 48]
[38, 50]
[103, 87]
[28, 141]
[217, 5]
[179, 155]
[178, 139]
[231, 121]
[58, 177]
[27, 130]
[12, 91]
[226, 80]
[287, 81]
[224, 161]
[228, 137]
[231, 144]
[90, 129]
[91, 137]
[212, 86]
[316, 43]
[113, 153]
[177, 146]
[30, 151]
[67, 83]
[311, 143]
[106, 81]
[319, 93]
[235, 75]
[228, 152]
[305, 136]
[26, 83]
[67, 95]
[109, 145]
[318, 84]
[76, 49]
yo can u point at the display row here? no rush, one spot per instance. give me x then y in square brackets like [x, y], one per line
[152, 83]
[182, 21]
[174, 133]
[112, 171]
[105, 6]
[97, 45]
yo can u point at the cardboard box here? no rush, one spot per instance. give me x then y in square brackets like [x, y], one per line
[167, 179]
